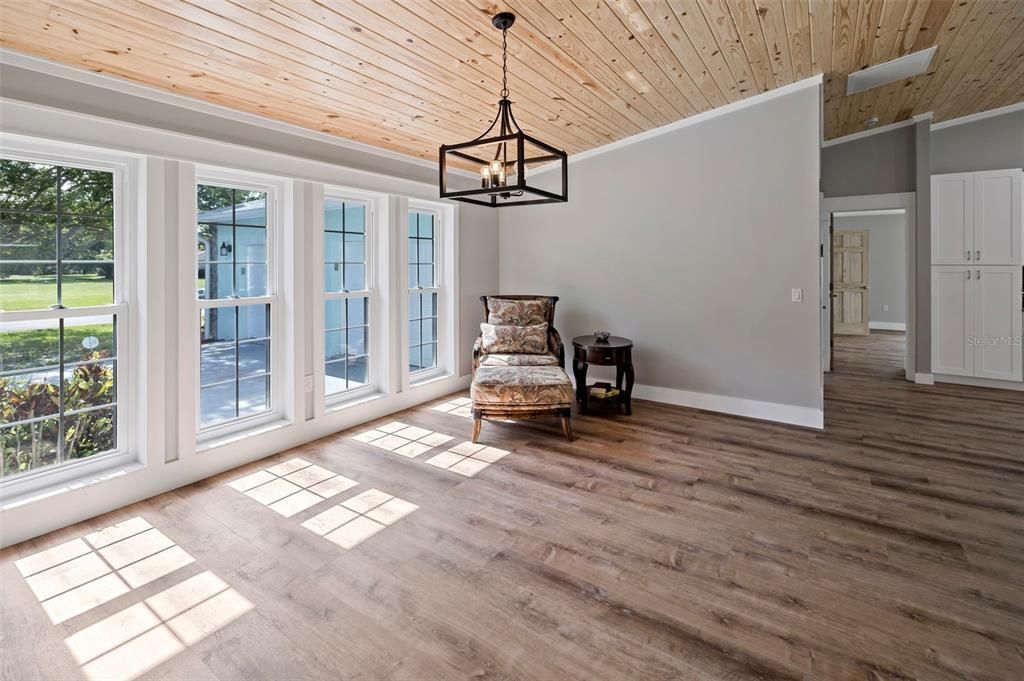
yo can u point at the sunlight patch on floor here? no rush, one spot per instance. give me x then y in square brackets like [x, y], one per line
[79, 575]
[467, 458]
[460, 406]
[402, 439]
[360, 517]
[74, 577]
[292, 486]
[133, 641]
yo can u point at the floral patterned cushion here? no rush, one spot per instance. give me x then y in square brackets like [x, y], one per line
[509, 312]
[530, 340]
[525, 386]
[516, 360]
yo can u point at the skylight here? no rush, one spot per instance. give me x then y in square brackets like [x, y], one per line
[890, 72]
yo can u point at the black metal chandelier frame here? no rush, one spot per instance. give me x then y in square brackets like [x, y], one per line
[495, 192]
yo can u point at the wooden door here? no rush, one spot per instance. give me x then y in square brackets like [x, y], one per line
[850, 296]
[952, 320]
[996, 333]
[997, 217]
[953, 219]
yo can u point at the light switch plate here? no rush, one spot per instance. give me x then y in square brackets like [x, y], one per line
[798, 295]
[309, 384]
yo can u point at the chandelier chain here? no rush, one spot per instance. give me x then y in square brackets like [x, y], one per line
[504, 63]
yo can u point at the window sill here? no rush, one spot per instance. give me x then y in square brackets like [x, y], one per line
[214, 439]
[428, 377]
[348, 401]
[16, 493]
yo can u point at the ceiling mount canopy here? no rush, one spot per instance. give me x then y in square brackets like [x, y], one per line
[503, 153]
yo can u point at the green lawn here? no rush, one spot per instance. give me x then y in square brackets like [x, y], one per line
[21, 292]
[27, 349]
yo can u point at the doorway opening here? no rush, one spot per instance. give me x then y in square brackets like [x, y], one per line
[868, 311]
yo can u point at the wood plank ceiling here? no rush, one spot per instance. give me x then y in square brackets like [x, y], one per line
[408, 75]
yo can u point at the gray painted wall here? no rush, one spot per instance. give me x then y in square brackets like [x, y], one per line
[689, 243]
[887, 263]
[922, 150]
[878, 164]
[987, 144]
[893, 162]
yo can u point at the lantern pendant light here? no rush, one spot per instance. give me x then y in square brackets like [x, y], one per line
[504, 153]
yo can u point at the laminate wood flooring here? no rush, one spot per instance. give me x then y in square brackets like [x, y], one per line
[672, 544]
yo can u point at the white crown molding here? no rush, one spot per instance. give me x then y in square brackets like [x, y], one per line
[813, 81]
[981, 115]
[108, 82]
[876, 131]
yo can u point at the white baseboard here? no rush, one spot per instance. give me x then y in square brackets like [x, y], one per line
[980, 382]
[924, 379]
[888, 326]
[808, 417]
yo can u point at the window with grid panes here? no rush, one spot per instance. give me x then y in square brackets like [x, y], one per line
[62, 316]
[347, 295]
[423, 290]
[235, 300]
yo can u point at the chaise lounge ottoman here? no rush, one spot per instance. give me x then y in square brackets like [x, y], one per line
[515, 392]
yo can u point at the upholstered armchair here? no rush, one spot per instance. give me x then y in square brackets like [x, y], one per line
[519, 310]
[519, 363]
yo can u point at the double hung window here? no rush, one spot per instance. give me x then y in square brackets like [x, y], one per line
[347, 294]
[63, 313]
[236, 301]
[424, 288]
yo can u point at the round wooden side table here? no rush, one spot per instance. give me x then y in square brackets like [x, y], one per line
[615, 351]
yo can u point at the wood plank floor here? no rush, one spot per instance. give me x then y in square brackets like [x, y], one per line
[673, 544]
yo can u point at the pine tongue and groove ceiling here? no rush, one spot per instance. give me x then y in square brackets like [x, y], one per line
[409, 75]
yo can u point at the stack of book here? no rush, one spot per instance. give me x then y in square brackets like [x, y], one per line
[603, 391]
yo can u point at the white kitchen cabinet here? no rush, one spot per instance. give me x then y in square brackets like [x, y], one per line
[997, 217]
[996, 334]
[977, 322]
[953, 219]
[977, 218]
[952, 311]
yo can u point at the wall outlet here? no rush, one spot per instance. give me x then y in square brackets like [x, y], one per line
[885, 308]
[797, 295]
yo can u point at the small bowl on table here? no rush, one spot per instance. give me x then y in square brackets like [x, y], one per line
[602, 336]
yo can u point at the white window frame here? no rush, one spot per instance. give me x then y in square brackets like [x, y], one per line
[375, 254]
[275, 189]
[125, 169]
[444, 286]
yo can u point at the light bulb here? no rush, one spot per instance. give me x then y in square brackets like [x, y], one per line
[496, 167]
[485, 171]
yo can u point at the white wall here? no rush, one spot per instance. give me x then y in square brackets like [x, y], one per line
[165, 449]
[887, 264]
[690, 243]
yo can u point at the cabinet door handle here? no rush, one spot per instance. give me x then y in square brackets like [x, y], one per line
[967, 255]
[977, 274]
[968, 274]
[977, 256]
